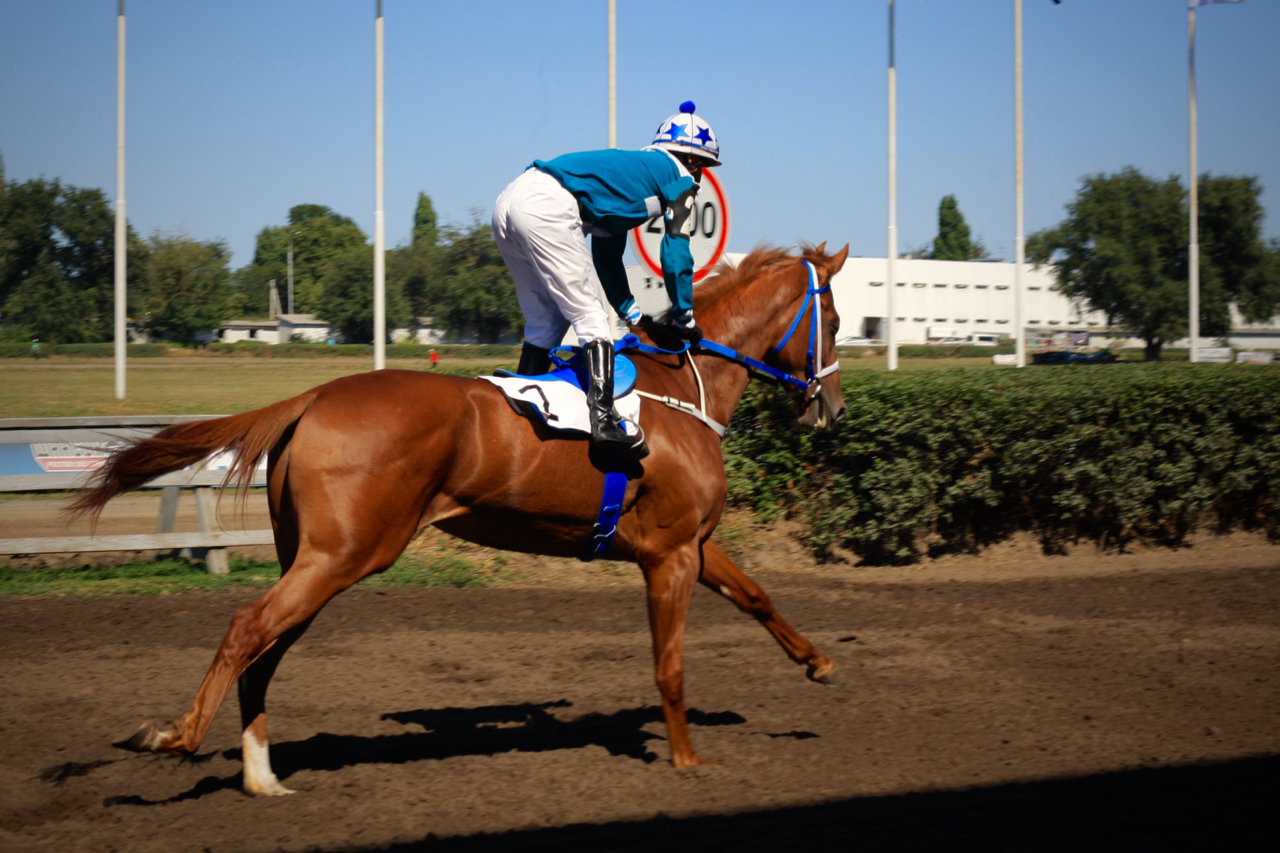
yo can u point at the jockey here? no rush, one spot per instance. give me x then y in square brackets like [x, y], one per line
[540, 223]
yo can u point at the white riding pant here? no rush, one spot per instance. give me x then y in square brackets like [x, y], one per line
[539, 232]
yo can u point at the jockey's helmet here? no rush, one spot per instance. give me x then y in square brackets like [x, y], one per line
[688, 133]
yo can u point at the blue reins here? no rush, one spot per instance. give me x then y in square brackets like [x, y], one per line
[813, 358]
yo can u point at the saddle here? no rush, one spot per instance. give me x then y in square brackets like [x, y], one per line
[559, 400]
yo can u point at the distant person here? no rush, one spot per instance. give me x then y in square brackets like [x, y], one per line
[35, 347]
[435, 359]
[540, 223]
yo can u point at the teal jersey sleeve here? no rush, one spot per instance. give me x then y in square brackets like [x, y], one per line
[606, 252]
[674, 254]
[677, 272]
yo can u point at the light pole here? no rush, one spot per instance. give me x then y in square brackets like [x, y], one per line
[122, 221]
[379, 216]
[613, 74]
[291, 236]
[891, 338]
[1020, 243]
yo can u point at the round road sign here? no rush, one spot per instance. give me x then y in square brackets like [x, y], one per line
[710, 231]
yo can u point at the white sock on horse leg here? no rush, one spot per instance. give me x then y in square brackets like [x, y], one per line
[259, 779]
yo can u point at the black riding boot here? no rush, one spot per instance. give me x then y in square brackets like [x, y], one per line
[606, 431]
[534, 361]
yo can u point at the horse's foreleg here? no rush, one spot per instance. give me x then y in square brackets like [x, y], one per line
[720, 574]
[259, 779]
[670, 586]
[255, 629]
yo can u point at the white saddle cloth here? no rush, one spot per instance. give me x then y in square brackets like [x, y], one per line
[562, 405]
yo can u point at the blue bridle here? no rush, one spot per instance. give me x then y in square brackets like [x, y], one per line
[813, 371]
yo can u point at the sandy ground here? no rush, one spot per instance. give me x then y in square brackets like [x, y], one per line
[1006, 701]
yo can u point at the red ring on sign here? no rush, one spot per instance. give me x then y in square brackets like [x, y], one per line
[702, 272]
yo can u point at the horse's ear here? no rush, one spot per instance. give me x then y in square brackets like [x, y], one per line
[821, 248]
[836, 261]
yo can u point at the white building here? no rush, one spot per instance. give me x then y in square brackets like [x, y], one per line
[305, 326]
[935, 299]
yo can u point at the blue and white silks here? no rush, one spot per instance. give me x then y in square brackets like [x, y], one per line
[619, 190]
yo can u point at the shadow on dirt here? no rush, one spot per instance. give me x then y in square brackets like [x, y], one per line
[1228, 806]
[451, 732]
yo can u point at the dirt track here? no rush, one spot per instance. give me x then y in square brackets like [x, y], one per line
[1050, 704]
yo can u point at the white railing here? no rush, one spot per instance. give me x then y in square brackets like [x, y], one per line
[92, 437]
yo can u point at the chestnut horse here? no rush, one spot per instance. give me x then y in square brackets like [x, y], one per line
[357, 466]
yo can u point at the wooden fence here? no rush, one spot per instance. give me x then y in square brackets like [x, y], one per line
[86, 438]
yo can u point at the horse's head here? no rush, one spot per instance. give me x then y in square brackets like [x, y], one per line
[808, 352]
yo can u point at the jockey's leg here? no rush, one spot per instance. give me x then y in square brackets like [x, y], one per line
[534, 360]
[607, 435]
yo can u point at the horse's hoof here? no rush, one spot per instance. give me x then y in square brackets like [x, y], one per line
[829, 675]
[147, 738]
[271, 788]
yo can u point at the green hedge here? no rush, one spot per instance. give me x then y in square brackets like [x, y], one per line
[928, 351]
[956, 460]
[959, 351]
[261, 349]
[107, 350]
[258, 349]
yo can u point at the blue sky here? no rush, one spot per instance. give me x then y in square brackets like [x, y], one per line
[239, 110]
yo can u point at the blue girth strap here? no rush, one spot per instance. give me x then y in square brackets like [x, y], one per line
[615, 491]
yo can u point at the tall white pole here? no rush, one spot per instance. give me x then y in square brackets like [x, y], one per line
[891, 285]
[379, 235]
[122, 222]
[1020, 253]
[1194, 181]
[613, 74]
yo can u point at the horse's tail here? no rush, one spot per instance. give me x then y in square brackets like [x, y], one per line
[250, 435]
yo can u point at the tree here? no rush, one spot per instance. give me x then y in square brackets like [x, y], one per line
[1235, 264]
[953, 242]
[57, 262]
[1123, 250]
[319, 236]
[456, 277]
[187, 288]
[425, 233]
[347, 302]
[474, 291]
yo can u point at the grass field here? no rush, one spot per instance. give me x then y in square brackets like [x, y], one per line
[215, 386]
[166, 577]
[85, 387]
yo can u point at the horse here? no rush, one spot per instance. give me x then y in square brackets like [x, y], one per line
[357, 466]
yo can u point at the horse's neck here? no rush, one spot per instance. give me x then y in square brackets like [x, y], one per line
[770, 301]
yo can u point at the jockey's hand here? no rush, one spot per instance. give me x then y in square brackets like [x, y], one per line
[689, 332]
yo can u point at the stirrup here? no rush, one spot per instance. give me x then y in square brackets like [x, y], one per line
[611, 438]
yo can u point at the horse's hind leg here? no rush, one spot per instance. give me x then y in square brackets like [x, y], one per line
[259, 779]
[720, 574]
[255, 629]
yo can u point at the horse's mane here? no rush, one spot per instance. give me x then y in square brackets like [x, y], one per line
[727, 276]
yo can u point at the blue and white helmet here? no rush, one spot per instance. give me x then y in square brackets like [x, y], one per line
[686, 132]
